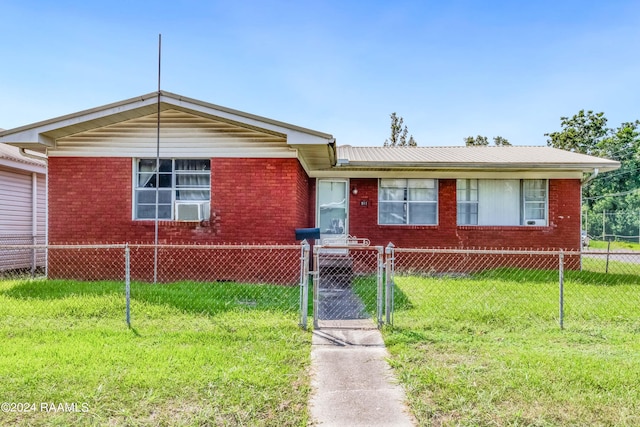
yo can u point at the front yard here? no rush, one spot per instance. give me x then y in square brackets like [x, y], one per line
[482, 349]
[242, 363]
[487, 350]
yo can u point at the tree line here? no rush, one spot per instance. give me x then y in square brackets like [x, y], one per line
[616, 191]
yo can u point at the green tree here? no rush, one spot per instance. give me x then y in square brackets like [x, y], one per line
[399, 133]
[580, 133]
[479, 141]
[617, 192]
[499, 141]
[483, 141]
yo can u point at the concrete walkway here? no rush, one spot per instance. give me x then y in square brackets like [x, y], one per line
[353, 384]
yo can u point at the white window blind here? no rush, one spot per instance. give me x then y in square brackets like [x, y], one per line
[501, 201]
[408, 202]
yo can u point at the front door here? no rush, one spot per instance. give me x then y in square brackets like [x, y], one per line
[332, 213]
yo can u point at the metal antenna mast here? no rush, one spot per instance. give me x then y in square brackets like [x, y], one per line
[155, 252]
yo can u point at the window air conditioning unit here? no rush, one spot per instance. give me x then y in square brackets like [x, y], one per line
[192, 211]
[536, 222]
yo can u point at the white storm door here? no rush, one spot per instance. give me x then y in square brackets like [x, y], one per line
[333, 210]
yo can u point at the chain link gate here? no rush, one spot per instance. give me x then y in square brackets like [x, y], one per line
[348, 284]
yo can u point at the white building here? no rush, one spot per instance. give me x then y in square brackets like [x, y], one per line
[23, 208]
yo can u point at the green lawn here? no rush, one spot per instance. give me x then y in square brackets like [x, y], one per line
[218, 354]
[470, 350]
[600, 244]
[486, 349]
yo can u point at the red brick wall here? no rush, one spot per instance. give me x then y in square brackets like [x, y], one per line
[252, 201]
[264, 200]
[258, 200]
[563, 231]
[90, 201]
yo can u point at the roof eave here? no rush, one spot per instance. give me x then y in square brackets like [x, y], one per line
[602, 167]
[40, 135]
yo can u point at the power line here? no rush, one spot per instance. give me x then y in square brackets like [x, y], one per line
[610, 175]
[622, 193]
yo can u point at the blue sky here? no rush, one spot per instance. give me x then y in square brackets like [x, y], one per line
[450, 68]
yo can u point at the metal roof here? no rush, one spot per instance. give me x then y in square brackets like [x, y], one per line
[463, 157]
[10, 156]
[316, 150]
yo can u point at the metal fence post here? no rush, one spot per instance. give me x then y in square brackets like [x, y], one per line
[127, 282]
[389, 266]
[561, 278]
[379, 291]
[304, 283]
[316, 279]
[34, 256]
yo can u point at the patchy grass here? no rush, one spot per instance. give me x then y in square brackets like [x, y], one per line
[486, 350]
[600, 244]
[195, 355]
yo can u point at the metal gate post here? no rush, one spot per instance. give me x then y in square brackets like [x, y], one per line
[304, 283]
[380, 289]
[389, 289]
[316, 285]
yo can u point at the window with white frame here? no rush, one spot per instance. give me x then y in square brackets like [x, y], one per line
[183, 185]
[467, 194]
[502, 201]
[408, 202]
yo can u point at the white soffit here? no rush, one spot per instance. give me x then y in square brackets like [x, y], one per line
[45, 133]
[43, 136]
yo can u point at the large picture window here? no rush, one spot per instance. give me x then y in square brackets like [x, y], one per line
[184, 182]
[502, 201]
[408, 202]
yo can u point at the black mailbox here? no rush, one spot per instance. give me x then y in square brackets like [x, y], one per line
[307, 233]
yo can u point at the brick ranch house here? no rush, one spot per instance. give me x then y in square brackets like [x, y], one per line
[231, 177]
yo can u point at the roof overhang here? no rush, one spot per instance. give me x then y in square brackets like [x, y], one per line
[465, 161]
[41, 136]
[11, 157]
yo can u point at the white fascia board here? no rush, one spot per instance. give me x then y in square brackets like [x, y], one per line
[295, 134]
[34, 134]
[582, 167]
[295, 137]
[447, 174]
[29, 138]
[26, 167]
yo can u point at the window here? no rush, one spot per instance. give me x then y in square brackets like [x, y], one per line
[467, 194]
[534, 199]
[180, 181]
[502, 201]
[408, 202]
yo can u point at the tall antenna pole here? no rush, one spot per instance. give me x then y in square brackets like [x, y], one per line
[155, 252]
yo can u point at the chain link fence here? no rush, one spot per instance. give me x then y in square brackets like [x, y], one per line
[501, 287]
[192, 279]
[29, 258]
[388, 285]
[347, 284]
[618, 225]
